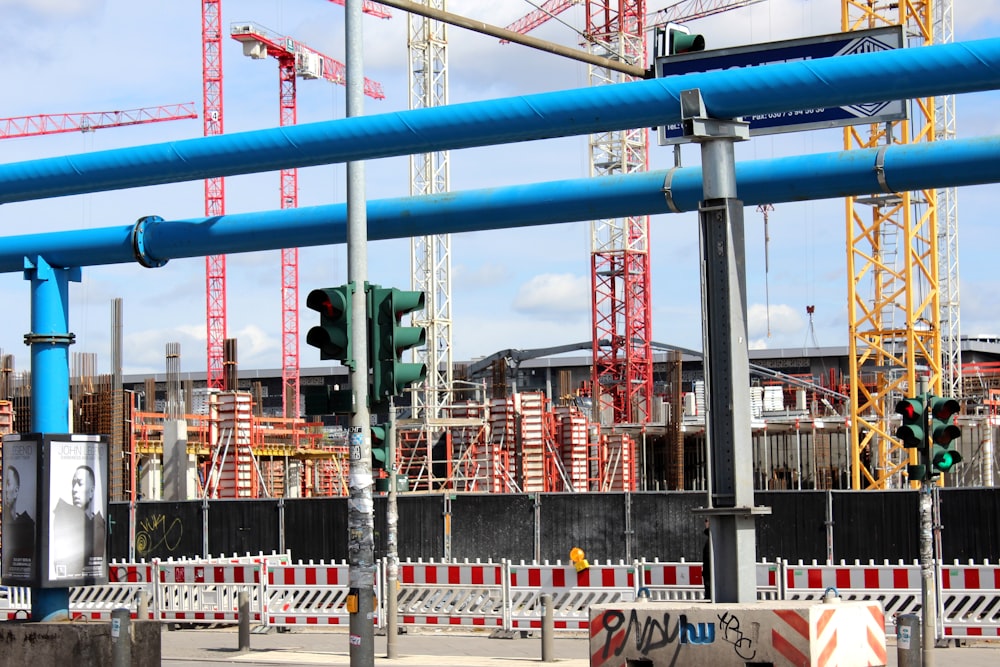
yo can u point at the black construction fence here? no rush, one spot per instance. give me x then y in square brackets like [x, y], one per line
[802, 525]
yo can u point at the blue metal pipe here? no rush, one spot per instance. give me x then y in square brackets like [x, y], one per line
[821, 176]
[904, 73]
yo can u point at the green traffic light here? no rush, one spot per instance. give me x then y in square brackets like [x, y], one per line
[943, 432]
[682, 43]
[390, 339]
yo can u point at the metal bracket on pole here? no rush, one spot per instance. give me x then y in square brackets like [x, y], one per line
[699, 126]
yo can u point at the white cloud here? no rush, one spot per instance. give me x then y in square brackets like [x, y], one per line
[554, 296]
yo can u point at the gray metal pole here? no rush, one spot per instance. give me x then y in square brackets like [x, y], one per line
[727, 359]
[121, 638]
[928, 594]
[908, 645]
[548, 629]
[243, 602]
[928, 597]
[142, 605]
[392, 545]
[360, 513]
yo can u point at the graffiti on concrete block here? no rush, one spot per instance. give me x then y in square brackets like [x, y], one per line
[647, 632]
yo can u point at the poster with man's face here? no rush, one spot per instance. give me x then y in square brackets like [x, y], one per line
[20, 510]
[77, 496]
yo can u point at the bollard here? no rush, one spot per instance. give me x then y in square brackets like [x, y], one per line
[244, 607]
[121, 638]
[548, 629]
[908, 645]
[142, 606]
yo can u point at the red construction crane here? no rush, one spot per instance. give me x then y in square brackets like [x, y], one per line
[294, 59]
[30, 126]
[215, 191]
[621, 301]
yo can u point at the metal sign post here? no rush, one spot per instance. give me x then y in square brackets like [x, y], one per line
[727, 359]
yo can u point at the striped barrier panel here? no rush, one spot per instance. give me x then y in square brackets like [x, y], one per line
[770, 580]
[452, 593]
[208, 593]
[671, 581]
[126, 581]
[572, 592]
[683, 581]
[896, 586]
[970, 600]
[15, 603]
[307, 594]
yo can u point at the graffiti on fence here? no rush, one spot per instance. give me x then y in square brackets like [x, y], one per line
[158, 531]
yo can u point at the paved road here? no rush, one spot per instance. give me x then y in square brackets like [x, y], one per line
[433, 648]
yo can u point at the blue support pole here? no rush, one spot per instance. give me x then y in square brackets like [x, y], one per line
[49, 340]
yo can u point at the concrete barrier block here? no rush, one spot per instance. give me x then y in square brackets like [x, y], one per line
[25, 643]
[653, 633]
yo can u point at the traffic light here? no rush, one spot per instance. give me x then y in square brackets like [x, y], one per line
[380, 447]
[389, 339]
[681, 40]
[913, 433]
[333, 335]
[943, 432]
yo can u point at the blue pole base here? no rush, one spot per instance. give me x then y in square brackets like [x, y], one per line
[49, 604]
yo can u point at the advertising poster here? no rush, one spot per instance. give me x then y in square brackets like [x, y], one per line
[77, 501]
[20, 510]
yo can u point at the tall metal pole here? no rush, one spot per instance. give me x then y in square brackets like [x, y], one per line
[928, 598]
[391, 543]
[360, 512]
[928, 604]
[727, 359]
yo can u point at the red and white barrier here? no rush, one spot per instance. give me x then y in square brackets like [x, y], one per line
[308, 594]
[208, 593]
[970, 599]
[451, 593]
[572, 592]
[503, 595]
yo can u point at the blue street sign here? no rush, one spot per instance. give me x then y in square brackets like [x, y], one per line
[808, 48]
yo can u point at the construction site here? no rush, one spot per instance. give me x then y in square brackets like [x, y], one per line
[628, 416]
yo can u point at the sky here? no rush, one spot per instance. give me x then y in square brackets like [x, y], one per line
[524, 288]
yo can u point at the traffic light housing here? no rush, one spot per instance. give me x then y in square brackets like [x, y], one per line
[389, 339]
[913, 431]
[943, 432]
[681, 40]
[333, 334]
[380, 447]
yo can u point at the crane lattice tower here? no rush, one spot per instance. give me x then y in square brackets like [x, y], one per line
[895, 303]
